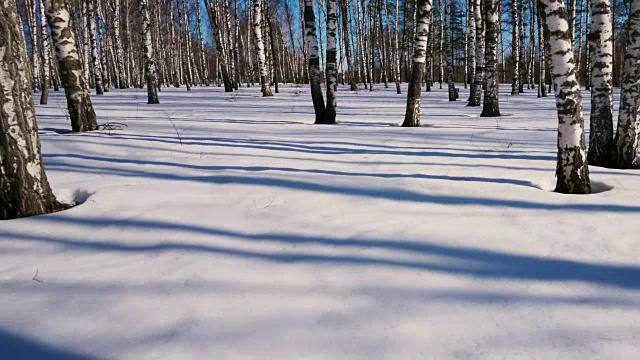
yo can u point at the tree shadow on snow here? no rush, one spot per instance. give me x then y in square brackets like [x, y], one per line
[427, 256]
[14, 346]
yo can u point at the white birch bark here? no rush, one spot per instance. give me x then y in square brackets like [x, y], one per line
[24, 188]
[262, 61]
[515, 48]
[628, 131]
[412, 114]
[313, 52]
[81, 113]
[46, 58]
[491, 104]
[331, 66]
[478, 80]
[95, 57]
[601, 120]
[572, 172]
[147, 48]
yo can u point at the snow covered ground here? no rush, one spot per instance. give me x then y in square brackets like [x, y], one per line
[224, 226]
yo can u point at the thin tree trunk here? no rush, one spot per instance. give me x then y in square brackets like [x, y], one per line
[262, 62]
[601, 121]
[449, 46]
[149, 62]
[628, 132]
[572, 172]
[491, 105]
[396, 50]
[314, 60]
[412, 114]
[46, 58]
[95, 57]
[515, 48]
[476, 88]
[24, 188]
[331, 71]
[81, 113]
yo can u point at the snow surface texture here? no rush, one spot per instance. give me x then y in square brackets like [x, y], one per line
[224, 226]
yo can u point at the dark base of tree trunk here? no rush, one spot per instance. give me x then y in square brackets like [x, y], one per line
[44, 97]
[601, 142]
[354, 87]
[452, 92]
[32, 207]
[82, 116]
[577, 181]
[412, 114]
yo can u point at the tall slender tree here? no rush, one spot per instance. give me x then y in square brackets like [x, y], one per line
[625, 153]
[572, 172]
[81, 113]
[262, 62]
[331, 66]
[313, 52]
[24, 188]
[515, 48]
[491, 105]
[476, 87]
[601, 124]
[412, 114]
[149, 61]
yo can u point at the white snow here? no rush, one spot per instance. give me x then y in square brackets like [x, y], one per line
[219, 226]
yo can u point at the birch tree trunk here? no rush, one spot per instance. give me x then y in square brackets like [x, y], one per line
[471, 44]
[149, 62]
[515, 48]
[46, 58]
[628, 131]
[396, 51]
[412, 114]
[449, 41]
[122, 76]
[542, 89]
[601, 124]
[476, 87]
[215, 28]
[572, 172]
[347, 44]
[521, 50]
[331, 68]
[81, 113]
[274, 48]
[491, 105]
[24, 188]
[314, 60]
[93, 38]
[262, 62]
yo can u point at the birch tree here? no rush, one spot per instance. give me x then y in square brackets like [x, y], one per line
[81, 113]
[601, 124]
[572, 172]
[93, 38]
[628, 131]
[476, 87]
[46, 58]
[491, 105]
[331, 65]
[311, 39]
[412, 114]
[147, 48]
[449, 48]
[24, 188]
[515, 48]
[262, 61]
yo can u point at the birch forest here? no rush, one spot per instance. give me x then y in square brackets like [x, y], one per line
[319, 179]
